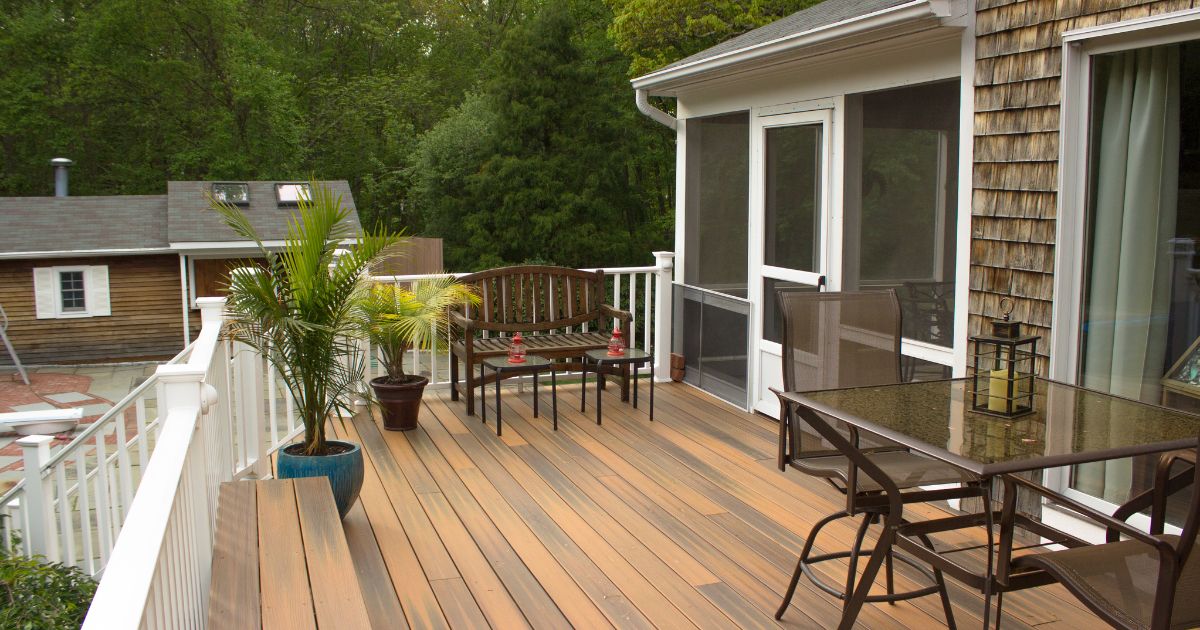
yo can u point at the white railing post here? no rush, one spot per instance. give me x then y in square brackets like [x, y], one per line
[39, 497]
[665, 263]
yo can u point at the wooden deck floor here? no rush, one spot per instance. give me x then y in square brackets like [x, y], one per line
[683, 522]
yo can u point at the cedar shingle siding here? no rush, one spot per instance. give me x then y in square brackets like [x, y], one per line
[1018, 66]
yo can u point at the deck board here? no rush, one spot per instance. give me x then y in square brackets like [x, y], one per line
[684, 522]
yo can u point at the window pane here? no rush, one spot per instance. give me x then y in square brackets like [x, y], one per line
[1141, 306]
[716, 203]
[231, 193]
[292, 193]
[772, 317]
[901, 202]
[792, 193]
[71, 286]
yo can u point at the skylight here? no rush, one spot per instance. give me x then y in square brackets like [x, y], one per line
[231, 192]
[291, 194]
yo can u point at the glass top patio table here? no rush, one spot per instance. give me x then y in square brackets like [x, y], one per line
[1068, 425]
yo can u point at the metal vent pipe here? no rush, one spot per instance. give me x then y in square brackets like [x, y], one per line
[61, 175]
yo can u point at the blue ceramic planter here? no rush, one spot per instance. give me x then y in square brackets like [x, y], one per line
[344, 470]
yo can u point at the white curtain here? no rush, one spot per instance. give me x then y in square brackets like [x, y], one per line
[1135, 144]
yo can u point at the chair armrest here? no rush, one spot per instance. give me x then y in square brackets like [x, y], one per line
[608, 311]
[1091, 513]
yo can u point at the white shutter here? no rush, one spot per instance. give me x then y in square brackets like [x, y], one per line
[95, 282]
[44, 286]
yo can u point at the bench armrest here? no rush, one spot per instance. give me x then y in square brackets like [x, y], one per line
[609, 312]
[460, 320]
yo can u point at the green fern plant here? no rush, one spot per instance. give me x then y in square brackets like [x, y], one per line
[397, 319]
[297, 309]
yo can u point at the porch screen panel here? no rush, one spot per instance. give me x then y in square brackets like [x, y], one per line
[716, 203]
[901, 202]
[792, 193]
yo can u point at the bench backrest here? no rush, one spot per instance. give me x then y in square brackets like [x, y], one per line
[535, 298]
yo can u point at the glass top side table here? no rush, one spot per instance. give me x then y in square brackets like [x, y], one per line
[534, 365]
[632, 356]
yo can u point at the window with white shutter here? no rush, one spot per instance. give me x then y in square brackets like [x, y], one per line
[70, 292]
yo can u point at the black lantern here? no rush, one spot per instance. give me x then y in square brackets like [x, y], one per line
[1003, 367]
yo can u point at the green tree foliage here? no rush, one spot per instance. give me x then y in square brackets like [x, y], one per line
[36, 594]
[505, 126]
[655, 33]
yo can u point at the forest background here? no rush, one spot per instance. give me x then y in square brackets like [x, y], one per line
[505, 127]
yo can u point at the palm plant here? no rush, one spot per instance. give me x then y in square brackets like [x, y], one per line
[297, 310]
[398, 319]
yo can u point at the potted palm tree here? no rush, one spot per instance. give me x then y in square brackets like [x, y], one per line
[397, 319]
[297, 311]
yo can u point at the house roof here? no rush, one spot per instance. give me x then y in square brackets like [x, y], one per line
[59, 224]
[822, 21]
[178, 220]
[192, 220]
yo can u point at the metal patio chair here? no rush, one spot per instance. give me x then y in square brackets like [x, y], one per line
[840, 340]
[1144, 581]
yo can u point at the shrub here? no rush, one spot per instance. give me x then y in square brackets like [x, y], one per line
[35, 594]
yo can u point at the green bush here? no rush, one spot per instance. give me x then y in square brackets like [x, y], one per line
[35, 594]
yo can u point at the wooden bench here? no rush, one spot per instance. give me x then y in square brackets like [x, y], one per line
[549, 306]
[280, 559]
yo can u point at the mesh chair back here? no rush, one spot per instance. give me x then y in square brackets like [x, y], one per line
[834, 340]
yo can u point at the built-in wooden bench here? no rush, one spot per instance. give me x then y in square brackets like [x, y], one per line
[549, 306]
[280, 559]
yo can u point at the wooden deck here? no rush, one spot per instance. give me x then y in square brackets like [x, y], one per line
[684, 522]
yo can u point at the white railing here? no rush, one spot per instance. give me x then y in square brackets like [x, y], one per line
[87, 486]
[149, 509]
[643, 291]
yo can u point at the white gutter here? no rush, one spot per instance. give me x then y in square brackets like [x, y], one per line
[655, 114]
[891, 16]
[71, 253]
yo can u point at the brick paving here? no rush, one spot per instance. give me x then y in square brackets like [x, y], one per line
[94, 388]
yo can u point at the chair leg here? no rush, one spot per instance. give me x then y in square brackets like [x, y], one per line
[453, 377]
[854, 553]
[808, 546]
[854, 603]
[889, 577]
[999, 608]
[791, 589]
[943, 594]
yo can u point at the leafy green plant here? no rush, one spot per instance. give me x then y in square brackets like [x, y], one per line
[35, 594]
[397, 319]
[297, 310]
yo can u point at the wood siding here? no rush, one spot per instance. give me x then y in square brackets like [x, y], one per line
[146, 320]
[1018, 68]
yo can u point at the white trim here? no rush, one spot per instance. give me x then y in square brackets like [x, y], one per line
[1138, 31]
[236, 246]
[136, 251]
[186, 278]
[891, 16]
[930, 352]
[966, 192]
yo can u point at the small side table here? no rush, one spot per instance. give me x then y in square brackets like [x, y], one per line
[532, 365]
[633, 357]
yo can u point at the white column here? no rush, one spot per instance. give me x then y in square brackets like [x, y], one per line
[665, 261]
[39, 498]
[183, 284]
[212, 310]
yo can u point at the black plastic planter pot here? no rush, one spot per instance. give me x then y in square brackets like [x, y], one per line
[400, 402]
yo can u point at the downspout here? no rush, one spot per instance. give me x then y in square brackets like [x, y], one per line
[655, 114]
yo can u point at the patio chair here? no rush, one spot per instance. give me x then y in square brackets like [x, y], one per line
[852, 339]
[1146, 581]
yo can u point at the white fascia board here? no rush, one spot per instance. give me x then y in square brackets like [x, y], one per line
[236, 247]
[891, 16]
[80, 253]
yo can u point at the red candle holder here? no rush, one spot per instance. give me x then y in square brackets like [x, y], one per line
[516, 349]
[616, 345]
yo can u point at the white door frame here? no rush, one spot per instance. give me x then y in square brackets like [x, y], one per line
[822, 113]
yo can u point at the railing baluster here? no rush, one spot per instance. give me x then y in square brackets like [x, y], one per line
[631, 334]
[103, 516]
[85, 511]
[65, 515]
[123, 466]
